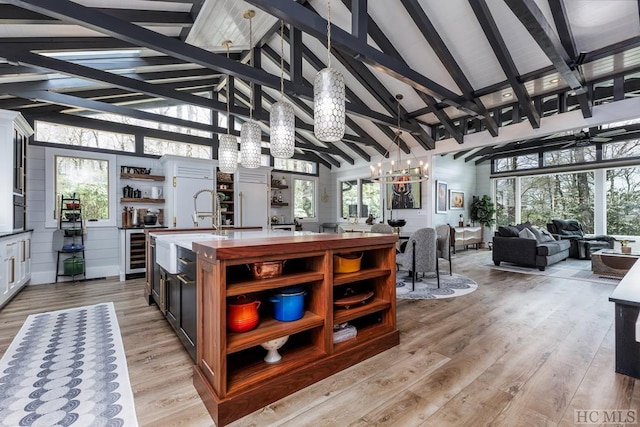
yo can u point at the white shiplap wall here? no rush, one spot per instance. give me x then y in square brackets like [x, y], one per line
[101, 243]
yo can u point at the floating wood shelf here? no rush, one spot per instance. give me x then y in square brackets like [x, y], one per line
[140, 200]
[274, 204]
[141, 177]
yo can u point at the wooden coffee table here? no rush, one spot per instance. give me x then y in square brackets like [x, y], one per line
[611, 262]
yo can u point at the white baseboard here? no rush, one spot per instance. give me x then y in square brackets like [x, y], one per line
[44, 277]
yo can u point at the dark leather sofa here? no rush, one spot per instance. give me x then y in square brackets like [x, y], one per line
[509, 247]
[582, 246]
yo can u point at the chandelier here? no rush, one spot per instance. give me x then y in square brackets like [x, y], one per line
[328, 97]
[282, 120]
[250, 143]
[396, 171]
[228, 144]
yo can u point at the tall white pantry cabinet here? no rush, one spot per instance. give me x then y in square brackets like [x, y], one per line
[15, 243]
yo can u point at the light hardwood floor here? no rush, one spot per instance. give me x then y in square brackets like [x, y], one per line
[522, 350]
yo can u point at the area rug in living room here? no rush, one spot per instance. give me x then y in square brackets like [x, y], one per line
[427, 288]
[575, 269]
[67, 368]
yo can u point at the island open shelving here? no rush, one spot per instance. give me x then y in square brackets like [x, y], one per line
[231, 375]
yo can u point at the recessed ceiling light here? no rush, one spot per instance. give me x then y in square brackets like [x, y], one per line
[553, 81]
[507, 95]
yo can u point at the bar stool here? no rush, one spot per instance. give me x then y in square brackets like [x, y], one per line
[328, 226]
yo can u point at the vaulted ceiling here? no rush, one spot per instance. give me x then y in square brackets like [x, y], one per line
[462, 66]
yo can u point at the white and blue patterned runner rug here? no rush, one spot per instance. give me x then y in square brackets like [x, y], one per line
[67, 368]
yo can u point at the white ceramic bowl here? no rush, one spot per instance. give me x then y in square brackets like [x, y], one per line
[272, 347]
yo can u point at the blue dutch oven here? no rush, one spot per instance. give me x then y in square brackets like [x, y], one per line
[288, 304]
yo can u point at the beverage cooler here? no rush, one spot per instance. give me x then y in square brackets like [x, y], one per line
[132, 253]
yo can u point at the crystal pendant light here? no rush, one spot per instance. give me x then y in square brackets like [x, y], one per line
[328, 97]
[282, 121]
[250, 133]
[228, 144]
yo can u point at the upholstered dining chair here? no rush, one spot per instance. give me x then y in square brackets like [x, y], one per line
[443, 248]
[420, 254]
[382, 228]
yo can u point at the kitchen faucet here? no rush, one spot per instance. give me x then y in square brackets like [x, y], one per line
[214, 214]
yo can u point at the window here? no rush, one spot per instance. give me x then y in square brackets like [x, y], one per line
[526, 161]
[505, 201]
[360, 197]
[349, 198]
[620, 150]
[569, 195]
[70, 135]
[294, 165]
[623, 201]
[90, 177]
[304, 198]
[569, 156]
[160, 147]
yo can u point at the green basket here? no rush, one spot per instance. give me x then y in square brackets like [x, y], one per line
[73, 266]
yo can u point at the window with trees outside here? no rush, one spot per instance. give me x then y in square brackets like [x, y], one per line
[90, 176]
[505, 201]
[87, 179]
[360, 197]
[304, 198]
[623, 201]
[567, 195]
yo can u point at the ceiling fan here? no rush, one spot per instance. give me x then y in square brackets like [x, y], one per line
[584, 138]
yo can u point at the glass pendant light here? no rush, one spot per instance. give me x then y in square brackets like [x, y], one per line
[250, 133]
[282, 121]
[328, 97]
[228, 144]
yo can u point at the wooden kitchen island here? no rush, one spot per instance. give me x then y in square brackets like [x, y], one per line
[230, 374]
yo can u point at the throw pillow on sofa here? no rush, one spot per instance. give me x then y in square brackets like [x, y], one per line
[509, 231]
[546, 234]
[527, 234]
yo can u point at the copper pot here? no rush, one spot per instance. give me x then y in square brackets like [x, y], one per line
[242, 314]
[266, 269]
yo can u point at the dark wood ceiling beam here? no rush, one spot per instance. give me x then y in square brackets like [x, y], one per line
[103, 107]
[561, 21]
[66, 43]
[112, 95]
[13, 15]
[295, 55]
[491, 31]
[534, 21]
[134, 34]
[116, 80]
[315, 25]
[419, 112]
[359, 18]
[438, 45]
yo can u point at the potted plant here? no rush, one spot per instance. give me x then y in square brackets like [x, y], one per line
[483, 211]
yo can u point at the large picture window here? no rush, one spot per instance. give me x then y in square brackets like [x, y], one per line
[623, 201]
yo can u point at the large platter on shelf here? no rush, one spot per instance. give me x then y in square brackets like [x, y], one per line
[350, 300]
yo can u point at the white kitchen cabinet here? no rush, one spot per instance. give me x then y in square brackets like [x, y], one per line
[253, 197]
[184, 178]
[15, 269]
[14, 133]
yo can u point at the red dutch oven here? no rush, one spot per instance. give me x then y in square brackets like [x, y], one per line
[242, 314]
